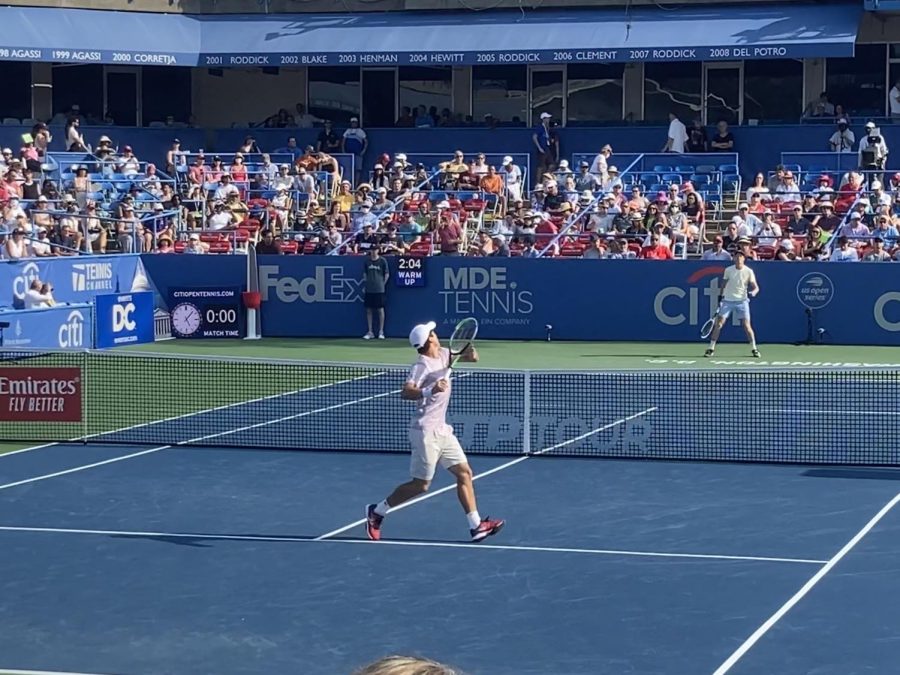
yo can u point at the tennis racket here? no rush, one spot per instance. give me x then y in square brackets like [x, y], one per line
[707, 328]
[462, 339]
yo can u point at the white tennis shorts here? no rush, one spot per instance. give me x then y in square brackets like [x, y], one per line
[429, 448]
[740, 308]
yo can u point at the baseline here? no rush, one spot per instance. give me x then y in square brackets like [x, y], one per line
[136, 534]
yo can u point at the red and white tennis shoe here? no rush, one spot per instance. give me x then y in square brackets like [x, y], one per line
[373, 523]
[486, 528]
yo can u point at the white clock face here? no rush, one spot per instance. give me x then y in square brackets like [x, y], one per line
[185, 319]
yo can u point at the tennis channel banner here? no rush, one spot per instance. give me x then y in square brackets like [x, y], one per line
[59, 327]
[639, 300]
[40, 394]
[75, 280]
[125, 319]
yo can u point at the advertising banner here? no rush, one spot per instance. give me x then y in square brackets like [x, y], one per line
[124, 319]
[60, 327]
[40, 394]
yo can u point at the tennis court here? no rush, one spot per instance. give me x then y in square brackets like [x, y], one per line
[162, 543]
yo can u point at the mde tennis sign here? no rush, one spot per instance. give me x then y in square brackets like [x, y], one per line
[40, 394]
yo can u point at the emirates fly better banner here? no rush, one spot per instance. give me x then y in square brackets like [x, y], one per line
[40, 394]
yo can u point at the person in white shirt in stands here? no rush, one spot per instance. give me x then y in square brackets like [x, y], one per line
[513, 177]
[843, 139]
[39, 295]
[894, 97]
[717, 252]
[788, 191]
[769, 232]
[40, 247]
[844, 252]
[677, 135]
[432, 439]
[355, 142]
[16, 246]
[739, 286]
[225, 188]
[599, 166]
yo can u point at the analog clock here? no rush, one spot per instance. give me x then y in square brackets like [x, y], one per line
[186, 318]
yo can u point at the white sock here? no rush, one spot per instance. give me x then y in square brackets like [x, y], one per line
[382, 508]
[712, 344]
[474, 519]
[753, 344]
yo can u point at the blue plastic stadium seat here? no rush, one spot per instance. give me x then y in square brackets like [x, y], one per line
[706, 168]
[663, 168]
[731, 181]
[659, 187]
[436, 196]
[817, 168]
[715, 188]
[685, 168]
[649, 178]
[670, 178]
[699, 179]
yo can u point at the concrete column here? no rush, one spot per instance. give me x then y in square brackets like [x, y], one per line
[41, 91]
[633, 94]
[462, 90]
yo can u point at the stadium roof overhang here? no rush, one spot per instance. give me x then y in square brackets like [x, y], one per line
[720, 33]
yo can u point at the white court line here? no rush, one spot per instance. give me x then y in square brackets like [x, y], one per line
[12, 671]
[429, 495]
[843, 413]
[208, 437]
[807, 587]
[191, 414]
[422, 544]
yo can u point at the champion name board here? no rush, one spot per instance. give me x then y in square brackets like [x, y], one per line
[410, 271]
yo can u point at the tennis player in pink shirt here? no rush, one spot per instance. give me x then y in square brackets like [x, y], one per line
[431, 438]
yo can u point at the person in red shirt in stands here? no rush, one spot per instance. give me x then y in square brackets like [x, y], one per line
[449, 232]
[656, 250]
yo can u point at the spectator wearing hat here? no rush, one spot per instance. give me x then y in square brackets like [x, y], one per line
[745, 248]
[379, 177]
[855, 230]
[586, 181]
[797, 224]
[197, 172]
[600, 166]
[877, 252]
[195, 246]
[786, 251]
[873, 151]
[128, 163]
[306, 184]
[844, 251]
[512, 177]
[363, 217]
[215, 172]
[612, 179]
[827, 221]
[393, 243]
[501, 248]
[39, 247]
[164, 244]
[16, 245]
[886, 231]
[540, 139]
[355, 142]
[283, 181]
[788, 190]
[601, 220]
[842, 140]
[717, 252]
[225, 188]
[382, 204]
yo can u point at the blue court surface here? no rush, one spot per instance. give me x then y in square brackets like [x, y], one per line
[204, 560]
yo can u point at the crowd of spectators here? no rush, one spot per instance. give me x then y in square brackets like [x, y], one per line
[299, 200]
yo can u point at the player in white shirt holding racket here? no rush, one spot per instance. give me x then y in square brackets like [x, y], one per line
[432, 439]
[740, 285]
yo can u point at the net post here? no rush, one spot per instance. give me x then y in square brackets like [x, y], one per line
[526, 415]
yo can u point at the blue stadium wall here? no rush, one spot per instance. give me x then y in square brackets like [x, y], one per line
[321, 296]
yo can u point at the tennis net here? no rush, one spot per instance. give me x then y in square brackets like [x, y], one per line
[805, 416]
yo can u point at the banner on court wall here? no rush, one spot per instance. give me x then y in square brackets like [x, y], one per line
[59, 327]
[124, 319]
[40, 394]
[637, 300]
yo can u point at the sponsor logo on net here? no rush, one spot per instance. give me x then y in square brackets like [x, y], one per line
[40, 394]
[97, 276]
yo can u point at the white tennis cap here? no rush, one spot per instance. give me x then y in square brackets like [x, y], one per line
[418, 336]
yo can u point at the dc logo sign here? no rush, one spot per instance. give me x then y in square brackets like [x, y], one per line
[815, 290]
[21, 283]
[71, 332]
[122, 320]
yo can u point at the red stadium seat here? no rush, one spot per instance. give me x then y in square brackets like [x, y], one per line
[180, 246]
[220, 247]
[289, 247]
[765, 252]
[420, 248]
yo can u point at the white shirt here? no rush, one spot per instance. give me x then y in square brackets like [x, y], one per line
[842, 142]
[840, 255]
[768, 234]
[737, 283]
[598, 168]
[222, 192]
[35, 299]
[895, 100]
[678, 134]
[220, 220]
[431, 411]
[40, 247]
[711, 254]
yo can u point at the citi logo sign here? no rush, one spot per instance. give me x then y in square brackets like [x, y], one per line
[30, 272]
[673, 305]
[71, 333]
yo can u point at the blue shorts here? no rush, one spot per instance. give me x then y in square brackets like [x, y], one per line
[741, 309]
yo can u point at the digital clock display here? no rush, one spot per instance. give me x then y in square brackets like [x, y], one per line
[410, 271]
[206, 312]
